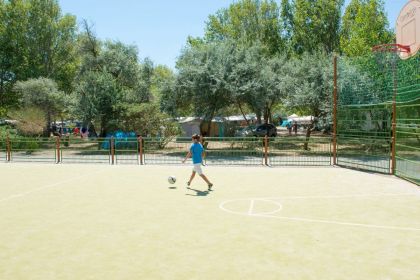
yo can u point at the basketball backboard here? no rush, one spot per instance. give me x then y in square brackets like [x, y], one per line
[408, 28]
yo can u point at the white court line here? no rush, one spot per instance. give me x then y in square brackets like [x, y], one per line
[269, 215]
[47, 187]
[338, 196]
[251, 207]
[335, 222]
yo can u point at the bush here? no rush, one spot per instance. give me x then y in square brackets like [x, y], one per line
[147, 120]
[31, 121]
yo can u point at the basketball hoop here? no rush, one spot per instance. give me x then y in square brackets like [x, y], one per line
[407, 30]
[392, 48]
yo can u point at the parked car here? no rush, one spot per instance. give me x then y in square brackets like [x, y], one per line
[265, 129]
[245, 131]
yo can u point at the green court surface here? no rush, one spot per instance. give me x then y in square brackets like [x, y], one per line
[127, 222]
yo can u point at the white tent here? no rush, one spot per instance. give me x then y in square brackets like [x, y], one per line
[291, 117]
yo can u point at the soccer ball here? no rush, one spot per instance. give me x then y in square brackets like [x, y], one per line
[171, 179]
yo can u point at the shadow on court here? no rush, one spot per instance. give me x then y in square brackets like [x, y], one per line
[198, 192]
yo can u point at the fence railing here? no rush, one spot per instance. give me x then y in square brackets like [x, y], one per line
[276, 151]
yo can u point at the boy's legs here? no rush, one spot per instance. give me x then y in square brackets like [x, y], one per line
[205, 179]
[191, 178]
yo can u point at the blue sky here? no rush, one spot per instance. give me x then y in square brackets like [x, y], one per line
[159, 28]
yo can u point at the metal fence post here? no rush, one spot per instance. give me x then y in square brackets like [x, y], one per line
[394, 121]
[112, 150]
[335, 93]
[266, 150]
[57, 148]
[140, 143]
[8, 149]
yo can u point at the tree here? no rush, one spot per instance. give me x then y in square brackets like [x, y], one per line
[30, 121]
[36, 40]
[110, 80]
[310, 87]
[162, 75]
[365, 25]
[97, 98]
[316, 25]
[246, 22]
[146, 119]
[42, 93]
[51, 39]
[257, 81]
[202, 79]
[287, 16]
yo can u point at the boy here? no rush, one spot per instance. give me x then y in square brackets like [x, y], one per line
[196, 152]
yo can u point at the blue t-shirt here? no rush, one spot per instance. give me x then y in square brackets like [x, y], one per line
[196, 150]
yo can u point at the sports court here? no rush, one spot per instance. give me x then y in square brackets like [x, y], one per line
[128, 222]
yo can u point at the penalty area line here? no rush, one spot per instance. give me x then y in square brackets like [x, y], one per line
[14, 196]
[336, 222]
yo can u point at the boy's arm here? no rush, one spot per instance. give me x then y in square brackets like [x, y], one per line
[188, 156]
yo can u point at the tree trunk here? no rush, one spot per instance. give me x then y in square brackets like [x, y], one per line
[308, 135]
[258, 113]
[48, 129]
[243, 114]
[266, 115]
[209, 124]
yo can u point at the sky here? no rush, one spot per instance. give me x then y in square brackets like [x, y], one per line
[160, 28]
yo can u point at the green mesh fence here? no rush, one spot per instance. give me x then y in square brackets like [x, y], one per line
[365, 110]
[364, 115]
[408, 120]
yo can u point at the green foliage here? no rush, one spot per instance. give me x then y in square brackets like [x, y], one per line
[365, 25]
[216, 75]
[162, 75]
[310, 85]
[202, 78]
[147, 120]
[43, 94]
[316, 25]
[246, 22]
[109, 79]
[36, 40]
[97, 97]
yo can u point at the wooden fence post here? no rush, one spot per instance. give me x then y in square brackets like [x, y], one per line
[140, 144]
[335, 95]
[112, 150]
[57, 148]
